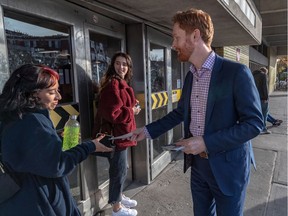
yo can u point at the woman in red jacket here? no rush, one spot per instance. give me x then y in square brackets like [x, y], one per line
[117, 106]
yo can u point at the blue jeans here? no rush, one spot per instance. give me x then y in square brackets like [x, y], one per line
[271, 119]
[117, 176]
[265, 108]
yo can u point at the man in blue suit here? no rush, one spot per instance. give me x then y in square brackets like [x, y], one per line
[221, 111]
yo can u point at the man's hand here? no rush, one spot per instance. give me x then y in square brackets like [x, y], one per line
[137, 135]
[193, 145]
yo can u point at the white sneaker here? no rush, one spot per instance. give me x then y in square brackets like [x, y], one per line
[127, 202]
[125, 212]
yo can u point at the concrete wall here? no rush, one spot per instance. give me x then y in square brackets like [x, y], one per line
[272, 67]
[257, 57]
[235, 53]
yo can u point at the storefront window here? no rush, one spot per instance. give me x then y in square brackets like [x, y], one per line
[158, 75]
[30, 40]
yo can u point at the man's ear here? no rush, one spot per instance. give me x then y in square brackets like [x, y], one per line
[197, 34]
[191, 36]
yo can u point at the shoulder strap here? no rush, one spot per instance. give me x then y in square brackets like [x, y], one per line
[111, 127]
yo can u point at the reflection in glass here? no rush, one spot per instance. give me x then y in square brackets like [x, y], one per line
[158, 75]
[28, 42]
[176, 84]
[102, 48]
[176, 71]
[161, 140]
[158, 83]
[177, 131]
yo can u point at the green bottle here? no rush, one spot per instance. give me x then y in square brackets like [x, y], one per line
[71, 133]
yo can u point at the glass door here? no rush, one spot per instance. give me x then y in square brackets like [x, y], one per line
[158, 91]
[103, 45]
[162, 76]
[102, 48]
[177, 83]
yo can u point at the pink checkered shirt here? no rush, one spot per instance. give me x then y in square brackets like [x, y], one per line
[199, 95]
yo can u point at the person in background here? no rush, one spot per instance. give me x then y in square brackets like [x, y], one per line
[31, 148]
[221, 111]
[273, 121]
[117, 106]
[261, 81]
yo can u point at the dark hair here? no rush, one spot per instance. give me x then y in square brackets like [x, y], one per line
[112, 73]
[264, 69]
[18, 95]
[196, 19]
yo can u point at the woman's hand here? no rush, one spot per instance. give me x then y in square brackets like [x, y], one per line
[136, 108]
[99, 146]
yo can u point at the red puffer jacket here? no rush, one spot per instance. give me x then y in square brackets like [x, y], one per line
[115, 108]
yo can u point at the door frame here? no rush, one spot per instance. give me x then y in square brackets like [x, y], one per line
[164, 40]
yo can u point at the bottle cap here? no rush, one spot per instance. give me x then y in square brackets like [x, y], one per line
[74, 117]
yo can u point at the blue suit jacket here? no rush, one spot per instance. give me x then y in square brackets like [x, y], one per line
[233, 118]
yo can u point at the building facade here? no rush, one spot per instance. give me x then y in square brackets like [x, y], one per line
[78, 39]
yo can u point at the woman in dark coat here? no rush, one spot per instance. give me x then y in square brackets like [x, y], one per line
[117, 106]
[31, 149]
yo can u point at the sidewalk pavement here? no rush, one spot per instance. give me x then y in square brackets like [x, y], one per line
[169, 193]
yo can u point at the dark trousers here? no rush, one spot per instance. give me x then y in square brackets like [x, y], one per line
[117, 176]
[208, 200]
[265, 109]
[271, 119]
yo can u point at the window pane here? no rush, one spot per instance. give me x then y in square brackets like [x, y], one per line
[176, 84]
[158, 76]
[176, 72]
[102, 48]
[161, 140]
[48, 44]
[158, 83]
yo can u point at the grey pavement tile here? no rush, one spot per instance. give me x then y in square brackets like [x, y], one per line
[277, 205]
[260, 183]
[280, 173]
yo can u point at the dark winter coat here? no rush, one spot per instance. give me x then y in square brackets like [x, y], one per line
[32, 149]
[262, 84]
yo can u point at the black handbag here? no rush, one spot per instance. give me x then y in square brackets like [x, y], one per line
[106, 141]
[8, 185]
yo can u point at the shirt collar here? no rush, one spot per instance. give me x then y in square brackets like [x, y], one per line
[208, 64]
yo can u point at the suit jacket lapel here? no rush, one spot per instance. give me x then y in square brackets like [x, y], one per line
[213, 88]
[187, 96]
[187, 116]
